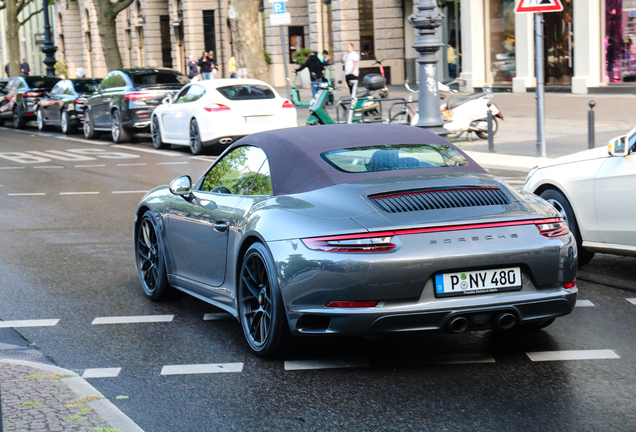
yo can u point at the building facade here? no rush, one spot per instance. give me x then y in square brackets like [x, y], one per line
[588, 46]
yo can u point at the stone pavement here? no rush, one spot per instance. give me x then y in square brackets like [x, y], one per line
[39, 397]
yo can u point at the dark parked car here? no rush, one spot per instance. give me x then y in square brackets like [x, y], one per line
[20, 97]
[125, 99]
[64, 107]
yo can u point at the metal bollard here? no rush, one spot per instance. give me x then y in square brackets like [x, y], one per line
[491, 140]
[590, 125]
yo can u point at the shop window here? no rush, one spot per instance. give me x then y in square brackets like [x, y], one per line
[620, 41]
[296, 40]
[502, 41]
[367, 31]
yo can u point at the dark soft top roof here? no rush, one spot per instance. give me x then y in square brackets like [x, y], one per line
[296, 166]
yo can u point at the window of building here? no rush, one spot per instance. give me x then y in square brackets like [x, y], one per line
[209, 30]
[620, 40]
[166, 46]
[296, 35]
[503, 65]
[367, 31]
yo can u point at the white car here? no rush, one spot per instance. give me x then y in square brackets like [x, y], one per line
[595, 192]
[205, 113]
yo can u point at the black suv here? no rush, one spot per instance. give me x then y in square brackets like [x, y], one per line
[64, 107]
[125, 99]
[20, 97]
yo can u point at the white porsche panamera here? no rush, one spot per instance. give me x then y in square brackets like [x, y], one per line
[218, 112]
[594, 190]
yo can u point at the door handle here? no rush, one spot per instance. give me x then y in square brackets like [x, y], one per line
[220, 226]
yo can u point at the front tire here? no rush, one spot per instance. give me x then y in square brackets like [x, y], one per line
[196, 147]
[65, 122]
[18, 119]
[40, 120]
[562, 205]
[261, 308]
[155, 131]
[89, 126]
[150, 259]
[119, 133]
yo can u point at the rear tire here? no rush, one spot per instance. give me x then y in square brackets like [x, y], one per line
[18, 119]
[155, 131]
[196, 147]
[65, 123]
[495, 128]
[118, 131]
[40, 120]
[88, 126]
[562, 205]
[1, 122]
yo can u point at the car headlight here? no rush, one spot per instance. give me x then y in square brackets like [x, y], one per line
[531, 173]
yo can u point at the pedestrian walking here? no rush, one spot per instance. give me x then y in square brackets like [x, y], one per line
[315, 67]
[214, 68]
[324, 58]
[193, 69]
[451, 58]
[351, 60]
[231, 67]
[205, 64]
[6, 68]
[24, 68]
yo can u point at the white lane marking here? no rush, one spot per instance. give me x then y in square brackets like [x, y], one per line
[83, 140]
[171, 163]
[202, 368]
[205, 158]
[29, 323]
[137, 164]
[27, 194]
[10, 168]
[88, 166]
[133, 319]
[101, 373]
[572, 355]
[48, 166]
[79, 193]
[631, 300]
[325, 364]
[450, 359]
[127, 192]
[145, 150]
[584, 303]
[217, 316]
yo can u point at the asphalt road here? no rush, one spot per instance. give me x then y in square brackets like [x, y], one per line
[66, 254]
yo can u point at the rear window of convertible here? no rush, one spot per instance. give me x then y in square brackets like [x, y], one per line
[393, 157]
[240, 92]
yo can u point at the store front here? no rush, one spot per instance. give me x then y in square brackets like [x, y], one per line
[620, 40]
[501, 40]
[559, 47]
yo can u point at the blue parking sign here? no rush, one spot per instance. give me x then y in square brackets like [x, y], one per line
[279, 8]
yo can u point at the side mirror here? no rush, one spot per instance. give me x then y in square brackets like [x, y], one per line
[181, 186]
[618, 146]
[167, 100]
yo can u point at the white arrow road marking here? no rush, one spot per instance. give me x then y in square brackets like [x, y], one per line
[202, 368]
[101, 373]
[631, 300]
[29, 323]
[133, 319]
[326, 364]
[584, 303]
[572, 355]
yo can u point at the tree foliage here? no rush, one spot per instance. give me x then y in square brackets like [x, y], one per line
[13, 10]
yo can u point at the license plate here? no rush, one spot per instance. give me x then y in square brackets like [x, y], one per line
[258, 119]
[477, 282]
[447, 113]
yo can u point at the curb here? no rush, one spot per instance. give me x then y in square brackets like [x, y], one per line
[103, 407]
[505, 161]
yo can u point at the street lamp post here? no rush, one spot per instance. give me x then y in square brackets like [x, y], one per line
[427, 44]
[48, 49]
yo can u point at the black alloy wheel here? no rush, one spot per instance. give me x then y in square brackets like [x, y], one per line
[561, 204]
[195, 138]
[261, 308]
[155, 131]
[88, 126]
[150, 259]
[119, 133]
[40, 120]
[18, 119]
[65, 122]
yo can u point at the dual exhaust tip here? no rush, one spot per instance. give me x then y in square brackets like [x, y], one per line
[503, 321]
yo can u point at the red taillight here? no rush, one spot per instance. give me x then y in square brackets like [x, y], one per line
[78, 101]
[31, 94]
[352, 304]
[569, 284]
[215, 107]
[376, 242]
[137, 96]
[287, 104]
[553, 227]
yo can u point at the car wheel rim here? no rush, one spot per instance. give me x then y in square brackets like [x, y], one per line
[87, 129]
[115, 126]
[40, 120]
[256, 301]
[156, 137]
[63, 123]
[148, 255]
[194, 136]
[559, 207]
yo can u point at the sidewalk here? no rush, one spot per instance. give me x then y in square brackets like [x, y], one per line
[515, 141]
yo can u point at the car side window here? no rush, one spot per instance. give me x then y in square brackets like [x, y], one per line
[119, 80]
[180, 98]
[13, 85]
[238, 172]
[68, 89]
[195, 93]
[107, 82]
[21, 84]
[57, 88]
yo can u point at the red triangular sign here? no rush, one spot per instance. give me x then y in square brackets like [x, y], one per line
[539, 6]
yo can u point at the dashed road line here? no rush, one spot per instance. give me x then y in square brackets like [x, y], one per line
[145, 150]
[11, 168]
[89, 166]
[27, 194]
[101, 373]
[94, 142]
[135, 164]
[202, 368]
[29, 323]
[584, 303]
[79, 193]
[540, 356]
[631, 300]
[129, 192]
[292, 365]
[217, 316]
[205, 158]
[172, 163]
[48, 166]
[133, 319]
[450, 359]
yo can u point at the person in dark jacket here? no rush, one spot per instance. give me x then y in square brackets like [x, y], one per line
[315, 67]
[205, 63]
[193, 69]
[24, 68]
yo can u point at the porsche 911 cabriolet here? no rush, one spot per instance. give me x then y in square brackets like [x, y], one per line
[355, 230]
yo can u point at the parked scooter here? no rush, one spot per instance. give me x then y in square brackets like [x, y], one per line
[295, 95]
[467, 114]
[384, 92]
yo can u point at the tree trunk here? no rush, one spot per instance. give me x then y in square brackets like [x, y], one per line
[13, 38]
[248, 43]
[106, 22]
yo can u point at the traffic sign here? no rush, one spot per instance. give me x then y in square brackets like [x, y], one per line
[539, 6]
[280, 19]
[278, 8]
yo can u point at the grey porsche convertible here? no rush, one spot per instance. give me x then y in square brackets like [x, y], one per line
[355, 230]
